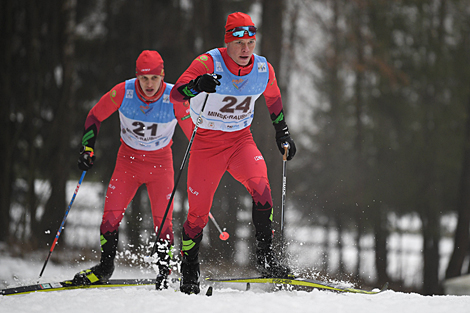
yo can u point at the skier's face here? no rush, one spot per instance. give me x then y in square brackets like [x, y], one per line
[241, 50]
[150, 84]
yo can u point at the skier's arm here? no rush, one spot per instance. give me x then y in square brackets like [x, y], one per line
[272, 95]
[184, 88]
[107, 105]
[184, 118]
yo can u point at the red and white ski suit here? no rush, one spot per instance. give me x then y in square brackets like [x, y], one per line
[216, 151]
[152, 166]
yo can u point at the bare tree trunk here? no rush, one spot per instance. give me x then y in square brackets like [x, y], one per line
[6, 136]
[431, 238]
[340, 245]
[461, 235]
[381, 258]
[59, 151]
[33, 23]
[360, 163]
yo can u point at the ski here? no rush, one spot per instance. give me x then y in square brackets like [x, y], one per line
[68, 285]
[304, 282]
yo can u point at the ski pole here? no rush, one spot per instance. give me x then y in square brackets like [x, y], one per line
[159, 230]
[59, 231]
[223, 234]
[284, 182]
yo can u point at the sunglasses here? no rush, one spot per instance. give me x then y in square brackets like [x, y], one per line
[240, 31]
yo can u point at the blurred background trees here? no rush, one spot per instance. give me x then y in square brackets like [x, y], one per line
[376, 93]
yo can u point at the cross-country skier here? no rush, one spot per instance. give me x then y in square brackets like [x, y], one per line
[228, 81]
[148, 120]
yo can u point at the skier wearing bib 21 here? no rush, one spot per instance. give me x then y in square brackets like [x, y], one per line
[148, 121]
[226, 82]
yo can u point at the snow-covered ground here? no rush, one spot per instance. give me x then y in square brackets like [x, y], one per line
[308, 244]
[227, 298]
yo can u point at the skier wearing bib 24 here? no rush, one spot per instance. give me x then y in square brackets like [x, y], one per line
[224, 83]
[148, 120]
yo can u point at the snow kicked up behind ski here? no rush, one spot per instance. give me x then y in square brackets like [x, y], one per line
[301, 282]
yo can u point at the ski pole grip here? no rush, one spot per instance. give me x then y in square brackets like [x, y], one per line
[286, 149]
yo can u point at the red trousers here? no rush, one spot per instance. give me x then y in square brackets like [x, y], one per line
[134, 168]
[213, 153]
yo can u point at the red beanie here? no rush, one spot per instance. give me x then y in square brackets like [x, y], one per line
[149, 62]
[235, 20]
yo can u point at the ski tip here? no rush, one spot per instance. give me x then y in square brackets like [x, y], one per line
[209, 291]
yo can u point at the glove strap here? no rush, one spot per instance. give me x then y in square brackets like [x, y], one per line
[280, 125]
[89, 136]
[189, 90]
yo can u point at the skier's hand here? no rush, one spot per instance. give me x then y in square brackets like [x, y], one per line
[282, 137]
[206, 82]
[86, 158]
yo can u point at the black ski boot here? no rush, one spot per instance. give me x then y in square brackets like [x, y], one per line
[102, 272]
[161, 282]
[164, 254]
[98, 274]
[190, 272]
[190, 276]
[268, 264]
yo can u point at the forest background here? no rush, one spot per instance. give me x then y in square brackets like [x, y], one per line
[376, 94]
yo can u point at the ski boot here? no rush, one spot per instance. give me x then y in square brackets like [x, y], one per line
[190, 271]
[161, 282]
[101, 273]
[98, 274]
[164, 253]
[190, 276]
[268, 264]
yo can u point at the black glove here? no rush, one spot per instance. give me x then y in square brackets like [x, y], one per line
[283, 136]
[206, 82]
[86, 158]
